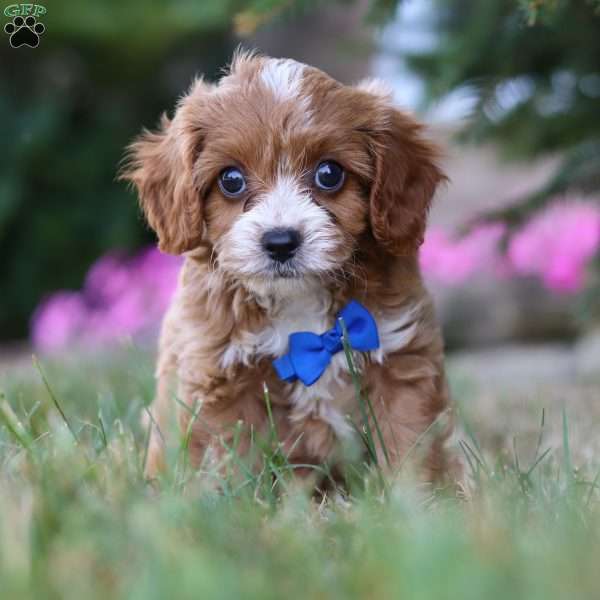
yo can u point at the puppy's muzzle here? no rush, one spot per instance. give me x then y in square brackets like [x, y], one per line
[281, 244]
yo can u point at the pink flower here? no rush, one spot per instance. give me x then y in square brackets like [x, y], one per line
[122, 297]
[58, 320]
[454, 261]
[557, 244]
[108, 278]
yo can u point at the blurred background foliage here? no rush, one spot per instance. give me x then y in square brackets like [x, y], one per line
[533, 68]
[103, 70]
[69, 107]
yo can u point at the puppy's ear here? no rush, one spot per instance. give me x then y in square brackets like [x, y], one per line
[406, 177]
[161, 166]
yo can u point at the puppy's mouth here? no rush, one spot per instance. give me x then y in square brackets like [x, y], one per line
[287, 270]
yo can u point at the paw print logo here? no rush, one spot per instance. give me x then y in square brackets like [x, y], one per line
[24, 32]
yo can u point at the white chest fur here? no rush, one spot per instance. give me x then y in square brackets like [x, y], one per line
[304, 312]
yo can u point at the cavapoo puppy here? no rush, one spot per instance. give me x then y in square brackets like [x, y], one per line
[297, 202]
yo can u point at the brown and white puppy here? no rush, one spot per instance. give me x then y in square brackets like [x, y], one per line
[290, 194]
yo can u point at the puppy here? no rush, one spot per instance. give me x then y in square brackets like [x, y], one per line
[295, 200]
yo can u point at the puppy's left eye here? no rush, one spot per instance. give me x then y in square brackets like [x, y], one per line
[329, 176]
[232, 182]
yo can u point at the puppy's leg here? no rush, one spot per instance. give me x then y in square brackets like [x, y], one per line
[159, 414]
[158, 422]
[413, 416]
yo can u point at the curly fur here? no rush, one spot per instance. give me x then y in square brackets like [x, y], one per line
[231, 315]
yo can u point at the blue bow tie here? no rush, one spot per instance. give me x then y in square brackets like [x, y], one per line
[309, 354]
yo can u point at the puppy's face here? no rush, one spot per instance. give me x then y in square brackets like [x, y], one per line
[284, 171]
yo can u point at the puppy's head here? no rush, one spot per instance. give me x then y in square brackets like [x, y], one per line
[285, 172]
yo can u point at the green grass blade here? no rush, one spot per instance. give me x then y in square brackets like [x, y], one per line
[568, 462]
[363, 404]
[54, 399]
[14, 426]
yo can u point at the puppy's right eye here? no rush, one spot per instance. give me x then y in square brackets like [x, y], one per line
[329, 176]
[232, 182]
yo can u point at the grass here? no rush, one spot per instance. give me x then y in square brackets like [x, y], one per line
[77, 519]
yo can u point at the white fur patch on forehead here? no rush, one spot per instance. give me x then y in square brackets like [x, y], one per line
[283, 77]
[377, 87]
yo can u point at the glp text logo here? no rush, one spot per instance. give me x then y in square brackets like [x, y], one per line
[25, 29]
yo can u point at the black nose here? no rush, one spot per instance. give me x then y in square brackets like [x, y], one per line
[281, 244]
